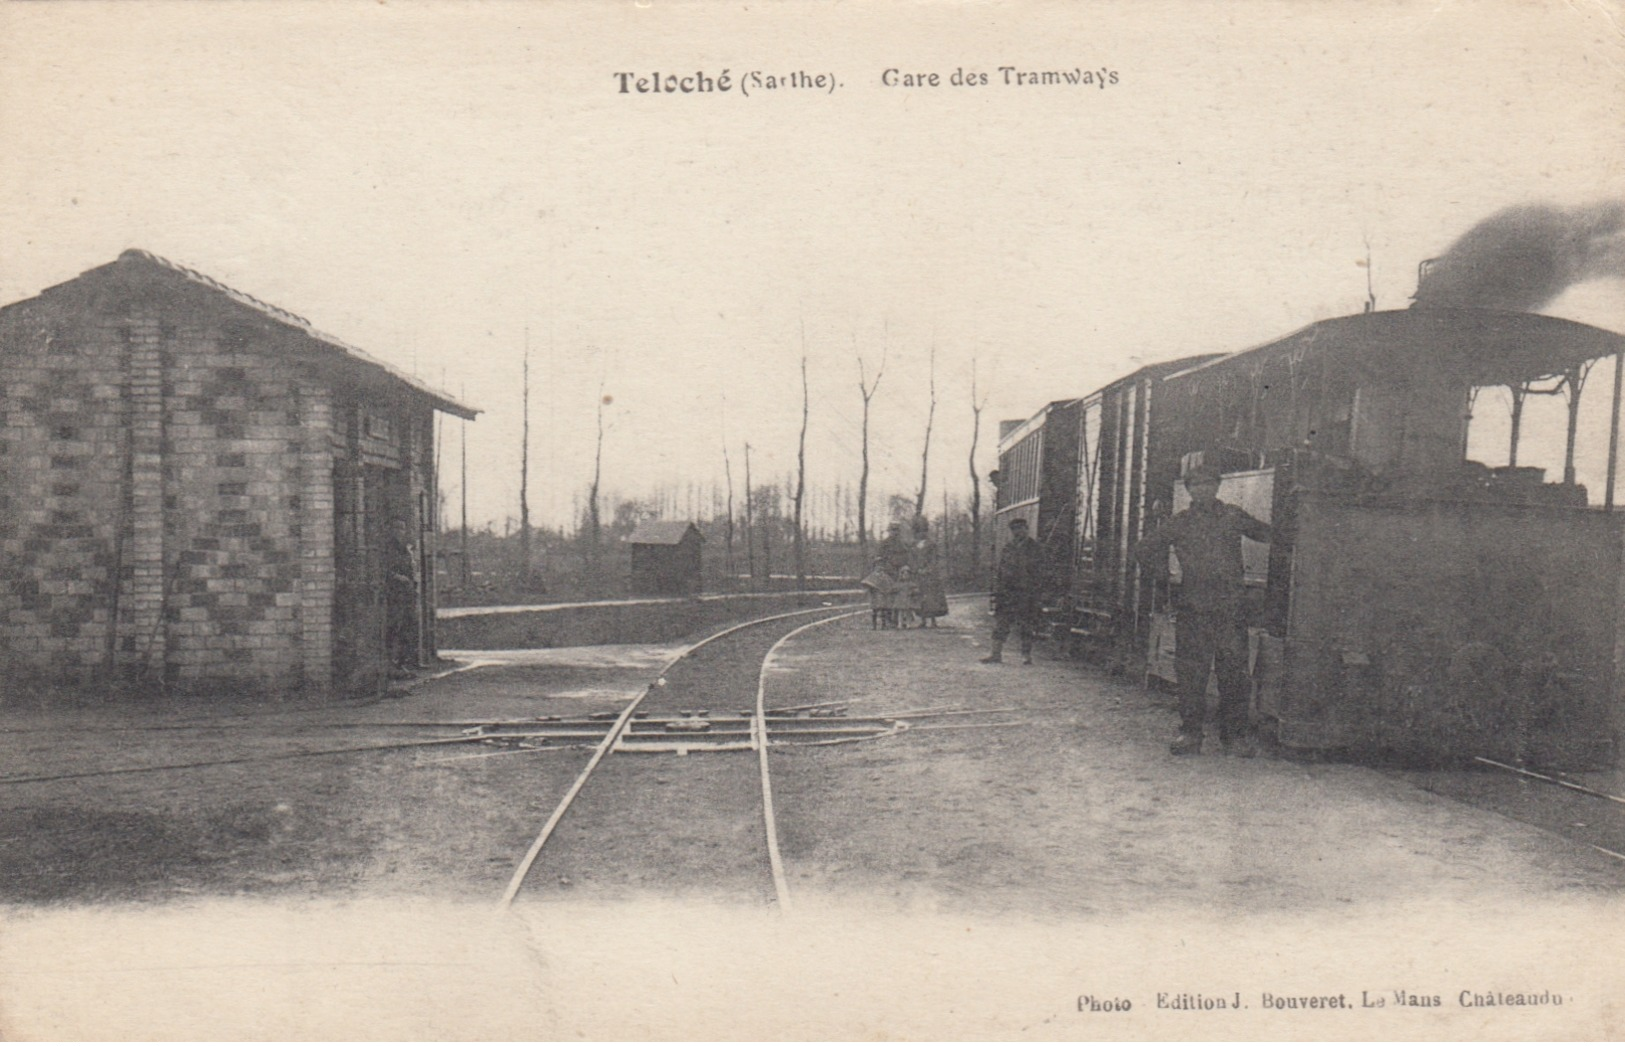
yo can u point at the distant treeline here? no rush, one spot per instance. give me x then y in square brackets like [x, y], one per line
[745, 557]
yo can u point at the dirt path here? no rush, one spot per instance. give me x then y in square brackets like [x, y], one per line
[1082, 810]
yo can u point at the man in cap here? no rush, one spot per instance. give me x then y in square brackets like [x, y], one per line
[1016, 593]
[1210, 630]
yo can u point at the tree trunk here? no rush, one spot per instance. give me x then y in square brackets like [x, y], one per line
[594, 520]
[524, 470]
[728, 473]
[925, 454]
[975, 480]
[801, 483]
[867, 390]
[750, 541]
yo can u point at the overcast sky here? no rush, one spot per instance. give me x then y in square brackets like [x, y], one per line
[431, 181]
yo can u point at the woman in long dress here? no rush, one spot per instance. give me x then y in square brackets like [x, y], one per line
[926, 568]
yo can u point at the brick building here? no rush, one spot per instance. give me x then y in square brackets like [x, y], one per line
[198, 491]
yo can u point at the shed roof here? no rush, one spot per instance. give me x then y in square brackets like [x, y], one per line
[663, 532]
[147, 262]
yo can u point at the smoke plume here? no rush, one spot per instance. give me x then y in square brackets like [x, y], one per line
[1521, 258]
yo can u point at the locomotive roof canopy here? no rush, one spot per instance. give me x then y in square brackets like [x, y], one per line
[1477, 346]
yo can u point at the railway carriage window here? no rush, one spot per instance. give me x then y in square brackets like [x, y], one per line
[1416, 429]
[1521, 434]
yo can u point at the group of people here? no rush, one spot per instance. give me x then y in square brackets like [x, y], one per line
[905, 580]
[1210, 628]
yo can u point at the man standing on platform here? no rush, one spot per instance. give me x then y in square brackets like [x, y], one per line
[1016, 593]
[1210, 631]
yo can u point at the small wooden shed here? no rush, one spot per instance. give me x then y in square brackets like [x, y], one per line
[666, 558]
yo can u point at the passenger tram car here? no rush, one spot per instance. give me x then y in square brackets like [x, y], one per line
[1415, 602]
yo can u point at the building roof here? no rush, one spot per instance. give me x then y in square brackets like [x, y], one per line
[149, 262]
[663, 532]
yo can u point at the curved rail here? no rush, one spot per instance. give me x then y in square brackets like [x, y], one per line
[614, 734]
[781, 886]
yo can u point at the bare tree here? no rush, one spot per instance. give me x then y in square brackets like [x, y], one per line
[524, 469]
[801, 474]
[750, 544]
[1370, 292]
[930, 418]
[867, 389]
[976, 406]
[594, 520]
[462, 443]
[770, 513]
[728, 473]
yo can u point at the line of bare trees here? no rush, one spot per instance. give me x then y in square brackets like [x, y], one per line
[763, 521]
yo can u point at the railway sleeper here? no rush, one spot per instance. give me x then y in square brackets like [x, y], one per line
[662, 734]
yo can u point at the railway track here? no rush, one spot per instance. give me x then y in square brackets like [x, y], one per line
[648, 732]
[1591, 814]
[701, 743]
[709, 698]
[627, 812]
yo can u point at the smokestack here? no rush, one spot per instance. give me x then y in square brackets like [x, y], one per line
[1521, 258]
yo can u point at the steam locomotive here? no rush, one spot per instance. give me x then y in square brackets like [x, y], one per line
[1415, 603]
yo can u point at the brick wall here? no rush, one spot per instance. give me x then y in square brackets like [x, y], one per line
[63, 454]
[317, 575]
[239, 534]
[168, 469]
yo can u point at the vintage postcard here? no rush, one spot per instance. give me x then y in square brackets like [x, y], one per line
[682, 520]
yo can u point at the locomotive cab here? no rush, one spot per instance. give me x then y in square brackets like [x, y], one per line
[1430, 593]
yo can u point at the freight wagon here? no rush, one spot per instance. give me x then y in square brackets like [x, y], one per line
[1037, 482]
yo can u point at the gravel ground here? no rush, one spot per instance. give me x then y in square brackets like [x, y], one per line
[1082, 810]
[948, 882]
[433, 821]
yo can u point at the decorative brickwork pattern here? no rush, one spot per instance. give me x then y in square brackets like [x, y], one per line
[234, 490]
[63, 448]
[168, 453]
[141, 634]
[316, 551]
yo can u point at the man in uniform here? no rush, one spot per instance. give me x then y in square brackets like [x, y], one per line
[1016, 593]
[1209, 628]
[401, 599]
